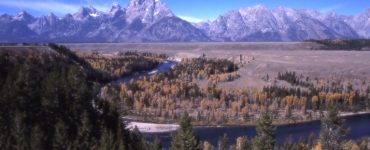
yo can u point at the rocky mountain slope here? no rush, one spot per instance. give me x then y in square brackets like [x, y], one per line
[258, 23]
[153, 21]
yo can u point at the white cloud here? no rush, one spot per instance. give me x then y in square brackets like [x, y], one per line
[191, 19]
[332, 8]
[42, 6]
[48, 6]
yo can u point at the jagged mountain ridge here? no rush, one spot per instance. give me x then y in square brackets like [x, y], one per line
[258, 23]
[361, 23]
[153, 21]
[134, 23]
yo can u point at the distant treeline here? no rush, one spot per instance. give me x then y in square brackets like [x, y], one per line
[124, 63]
[340, 44]
[24, 44]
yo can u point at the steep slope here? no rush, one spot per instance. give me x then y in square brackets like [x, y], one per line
[140, 21]
[258, 23]
[15, 29]
[360, 23]
[298, 25]
[147, 11]
[334, 22]
[153, 21]
[49, 94]
[249, 24]
[172, 29]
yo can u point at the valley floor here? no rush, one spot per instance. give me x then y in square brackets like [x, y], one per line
[258, 58]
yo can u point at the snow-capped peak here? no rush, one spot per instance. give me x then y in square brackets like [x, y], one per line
[115, 10]
[115, 7]
[84, 12]
[51, 17]
[256, 11]
[259, 6]
[147, 11]
[254, 8]
[258, 23]
[94, 14]
[138, 3]
[361, 23]
[152, 20]
[23, 16]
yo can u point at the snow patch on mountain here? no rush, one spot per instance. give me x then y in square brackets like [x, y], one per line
[153, 21]
[258, 23]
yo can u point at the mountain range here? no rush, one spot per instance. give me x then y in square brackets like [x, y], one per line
[153, 21]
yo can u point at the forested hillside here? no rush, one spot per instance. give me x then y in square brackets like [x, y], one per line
[48, 101]
[52, 98]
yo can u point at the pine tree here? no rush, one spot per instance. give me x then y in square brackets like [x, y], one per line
[332, 130]
[18, 132]
[223, 142]
[36, 138]
[45, 103]
[107, 141]
[60, 139]
[242, 143]
[84, 133]
[137, 139]
[185, 138]
[157, 145]
[265, 139]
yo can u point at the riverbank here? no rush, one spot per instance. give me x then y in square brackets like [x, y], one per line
[249, 124]
[152, 127]
[160, 127]
[358, 127]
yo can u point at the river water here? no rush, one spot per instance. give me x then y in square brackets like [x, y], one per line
[162, 68]
[358, 126]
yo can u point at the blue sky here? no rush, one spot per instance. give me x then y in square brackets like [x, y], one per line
[192, 10]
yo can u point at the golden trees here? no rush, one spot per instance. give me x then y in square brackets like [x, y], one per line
[207, 146]
[169, 94]
[242, 143]
[317, 147]
[315, 102]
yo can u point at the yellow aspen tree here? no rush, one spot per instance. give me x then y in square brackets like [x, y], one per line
[317, 147]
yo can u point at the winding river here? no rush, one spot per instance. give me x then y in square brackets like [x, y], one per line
[164, 67]
[358, 125]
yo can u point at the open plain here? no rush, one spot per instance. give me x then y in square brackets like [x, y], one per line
[259, 59]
